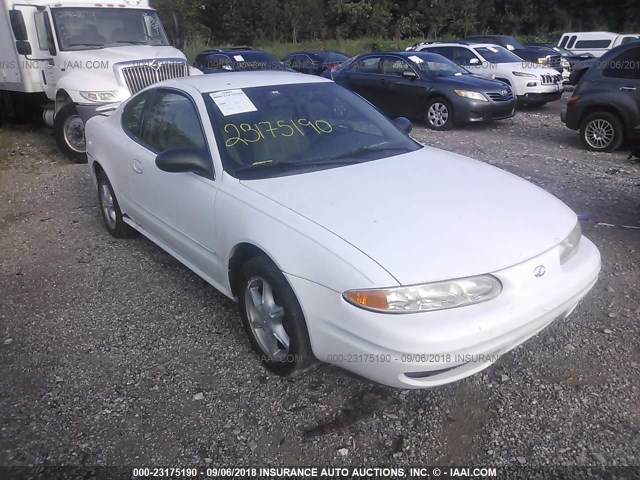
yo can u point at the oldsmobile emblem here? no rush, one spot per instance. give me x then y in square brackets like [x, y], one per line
[539, 271]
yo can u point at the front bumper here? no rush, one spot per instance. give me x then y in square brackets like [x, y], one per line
[475, 111]
[539, 97]
[434, 348]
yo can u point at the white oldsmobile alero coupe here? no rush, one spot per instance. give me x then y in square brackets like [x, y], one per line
[342, 239]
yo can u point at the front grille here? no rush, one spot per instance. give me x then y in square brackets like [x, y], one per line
[138, 77]
[550, 79]
[499, 97]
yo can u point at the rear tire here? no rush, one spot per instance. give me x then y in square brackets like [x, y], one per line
[602, 132]
[273, 318]
[439, 114]
[69, 132]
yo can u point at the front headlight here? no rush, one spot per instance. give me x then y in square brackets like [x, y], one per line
[524, 74]
[569, 245]
[99, 96]
[472, 95]
[541, 61]
[426, 297]
[564, 62]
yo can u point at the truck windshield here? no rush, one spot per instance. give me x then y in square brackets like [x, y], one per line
[90, 28]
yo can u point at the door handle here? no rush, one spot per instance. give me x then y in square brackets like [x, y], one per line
[137, 166]
[627, 89]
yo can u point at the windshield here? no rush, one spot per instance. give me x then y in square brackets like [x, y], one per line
[248, 60]
[511, 43]
[436, 65]
[497, 54]
[287, 129]
[89, 28]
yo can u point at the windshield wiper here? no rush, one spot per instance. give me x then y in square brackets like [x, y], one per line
[378, 147]
[97, 45]
[132, 42]
[259, 165]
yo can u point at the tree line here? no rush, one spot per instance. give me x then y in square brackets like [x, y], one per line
[247, 22]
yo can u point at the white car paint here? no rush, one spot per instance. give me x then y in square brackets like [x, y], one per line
[413, 218]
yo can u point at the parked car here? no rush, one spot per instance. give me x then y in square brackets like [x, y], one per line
[341, 238]
[426, 86]
[532, 84]
[533, 55]
[569, 59]
[605, 105]
[595, 43]
[314, 62]
[235, 59]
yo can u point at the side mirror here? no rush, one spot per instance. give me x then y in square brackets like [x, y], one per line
[410, 74]
[184, 160]
[474, 61]
[403, 124]
[23, 47]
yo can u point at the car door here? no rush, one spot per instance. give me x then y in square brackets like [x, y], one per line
[623, 73]
[363, 77]
[176, 209]
[402, 89]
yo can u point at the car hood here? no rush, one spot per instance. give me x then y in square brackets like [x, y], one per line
[475, 82]
[427, 215]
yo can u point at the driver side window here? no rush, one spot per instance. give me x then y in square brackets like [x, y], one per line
[172, 122]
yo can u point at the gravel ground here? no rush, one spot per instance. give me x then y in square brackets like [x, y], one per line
[112, 353]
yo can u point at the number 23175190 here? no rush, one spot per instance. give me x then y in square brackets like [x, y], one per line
[246, 133]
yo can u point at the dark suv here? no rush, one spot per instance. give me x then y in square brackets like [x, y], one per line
[605, 105]
[533, 55]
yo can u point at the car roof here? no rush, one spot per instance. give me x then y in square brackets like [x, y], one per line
[459, 44]
[232, 50]
[233, 80]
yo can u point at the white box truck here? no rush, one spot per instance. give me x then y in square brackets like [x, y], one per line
[69, 57]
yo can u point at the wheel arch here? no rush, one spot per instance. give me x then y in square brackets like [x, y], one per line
[62, 99]
[241, 254]
[590, 110]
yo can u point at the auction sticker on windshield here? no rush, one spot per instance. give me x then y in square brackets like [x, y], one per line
[233, 102]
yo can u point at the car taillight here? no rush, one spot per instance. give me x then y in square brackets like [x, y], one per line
[573, 100]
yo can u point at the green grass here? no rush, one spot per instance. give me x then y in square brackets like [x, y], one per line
[349, 47]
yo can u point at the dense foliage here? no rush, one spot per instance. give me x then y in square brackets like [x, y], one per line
[253, 21]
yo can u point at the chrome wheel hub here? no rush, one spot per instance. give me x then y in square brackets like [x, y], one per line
[265, 319]
[107, 205]
[74, 134]
[599, 133]
[438, 114]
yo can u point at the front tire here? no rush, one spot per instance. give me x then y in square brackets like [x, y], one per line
[602, 132]
[69, 132]
[110, 209]
[439, 114]
[272, 318]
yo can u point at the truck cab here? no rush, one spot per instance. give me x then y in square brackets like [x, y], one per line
[69, 57]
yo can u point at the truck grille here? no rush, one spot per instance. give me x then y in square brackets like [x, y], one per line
[139, 76]
[551, 79]
[500, 97]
